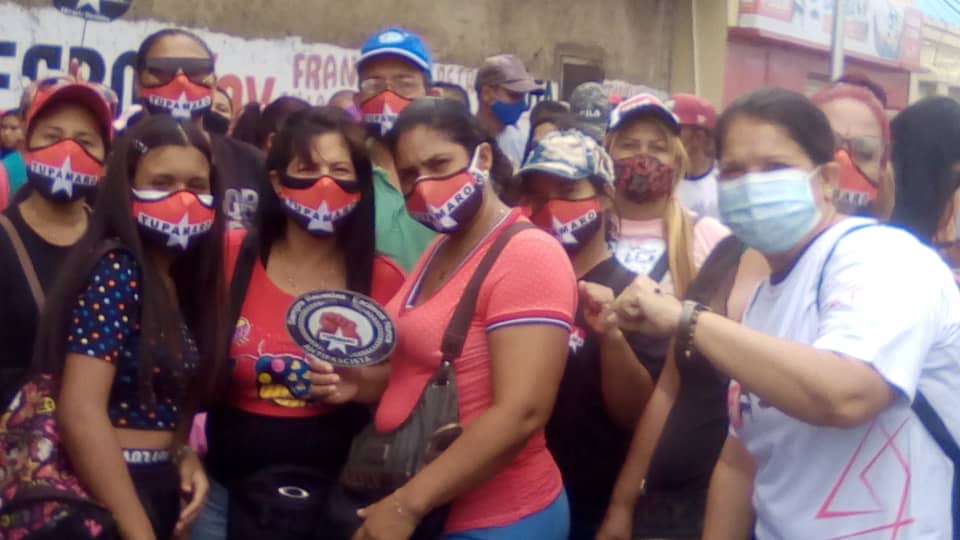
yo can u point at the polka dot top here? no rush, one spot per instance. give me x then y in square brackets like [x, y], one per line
[106, 326]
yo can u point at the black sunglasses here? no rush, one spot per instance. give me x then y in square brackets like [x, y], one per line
[164, 70]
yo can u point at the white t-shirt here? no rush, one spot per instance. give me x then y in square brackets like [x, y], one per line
[641, 245]
[888, 301]
[700, 193]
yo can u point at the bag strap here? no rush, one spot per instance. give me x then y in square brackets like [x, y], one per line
[660, 269]
[240, 282]
[662, 266]
[833, 248]
[928, 416]
[26, 264]
[456, 333]
[938, 430]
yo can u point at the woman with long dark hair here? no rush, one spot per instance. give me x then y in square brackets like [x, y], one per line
[926, 160]
[176, 75]
[314, 232]
[132, 329]
[498, 476]
[68, 132]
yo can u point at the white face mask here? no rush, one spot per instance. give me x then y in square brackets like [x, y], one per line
[770, 211]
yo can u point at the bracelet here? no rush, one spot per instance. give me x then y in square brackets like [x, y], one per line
[398, 505]
[688, 325]
[181, 453]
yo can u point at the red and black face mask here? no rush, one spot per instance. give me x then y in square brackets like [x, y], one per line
[174, 220]
[572, 222]
[380, 112]
[319, 205]
[857, 192]
[63, 171]
[447, 203]
[180, 97]
[643, 179]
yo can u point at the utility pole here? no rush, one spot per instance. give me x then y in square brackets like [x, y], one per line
[836, 41]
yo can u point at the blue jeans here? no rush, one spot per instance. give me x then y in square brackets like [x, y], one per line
[551, 523]
[212, 522]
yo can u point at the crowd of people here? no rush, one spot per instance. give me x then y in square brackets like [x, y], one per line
[674, 323]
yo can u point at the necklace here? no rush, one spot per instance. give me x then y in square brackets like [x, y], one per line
[459, 259]
[291, 272]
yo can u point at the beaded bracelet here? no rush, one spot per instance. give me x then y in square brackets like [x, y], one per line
[181, 453]
[688, 325]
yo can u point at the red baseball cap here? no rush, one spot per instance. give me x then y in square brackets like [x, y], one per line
[643, 105]
[99, 99]
[693, 111]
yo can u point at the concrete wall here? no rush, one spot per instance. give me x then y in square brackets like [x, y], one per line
[700, 48]
[631, 39]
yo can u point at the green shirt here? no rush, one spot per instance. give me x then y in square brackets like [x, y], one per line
[399, 236]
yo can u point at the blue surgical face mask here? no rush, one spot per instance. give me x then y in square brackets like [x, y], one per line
[770, 211]
[508, 113]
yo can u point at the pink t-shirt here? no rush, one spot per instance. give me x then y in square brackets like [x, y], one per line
[641, 244]
[532, 282]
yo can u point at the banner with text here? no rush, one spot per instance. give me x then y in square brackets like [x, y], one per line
[35, 41]
[888, 30]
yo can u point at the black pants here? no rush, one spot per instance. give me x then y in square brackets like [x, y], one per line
[158, 486]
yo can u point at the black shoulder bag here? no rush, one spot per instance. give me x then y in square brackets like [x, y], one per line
[380, 463]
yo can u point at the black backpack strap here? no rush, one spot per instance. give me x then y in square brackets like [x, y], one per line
[456, 333]
[242, 270]
[663, 263]
[660, 269]
[833, 248]
[938, 430]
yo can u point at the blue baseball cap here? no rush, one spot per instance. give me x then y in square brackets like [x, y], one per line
[397, 42]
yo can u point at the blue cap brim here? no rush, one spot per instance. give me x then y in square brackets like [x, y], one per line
[394, 51]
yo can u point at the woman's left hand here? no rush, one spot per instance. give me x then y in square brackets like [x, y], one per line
[643, 307]
[387, 519]
[194, 488]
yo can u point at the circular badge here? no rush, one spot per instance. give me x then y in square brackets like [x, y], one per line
[344, 328]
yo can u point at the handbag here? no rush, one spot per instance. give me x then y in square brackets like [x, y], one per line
[282, 502]
[380, 463]
[40, 496]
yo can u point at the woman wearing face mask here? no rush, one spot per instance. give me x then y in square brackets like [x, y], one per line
[133, 334]
[68, 136]
[657, 236]
[315, 232]
[862, 134]
[863, 448]
[568, 185]
[498, 474]
[926, 158]
[176, 75]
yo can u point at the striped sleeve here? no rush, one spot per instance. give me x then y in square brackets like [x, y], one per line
[532, 283]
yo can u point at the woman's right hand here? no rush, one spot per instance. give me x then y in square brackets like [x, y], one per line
[329, 386]
[617, 524]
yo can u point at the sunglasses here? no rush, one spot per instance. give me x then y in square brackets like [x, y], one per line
[50, 85]
[864, 149]
[295, 182]
[164, 70]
